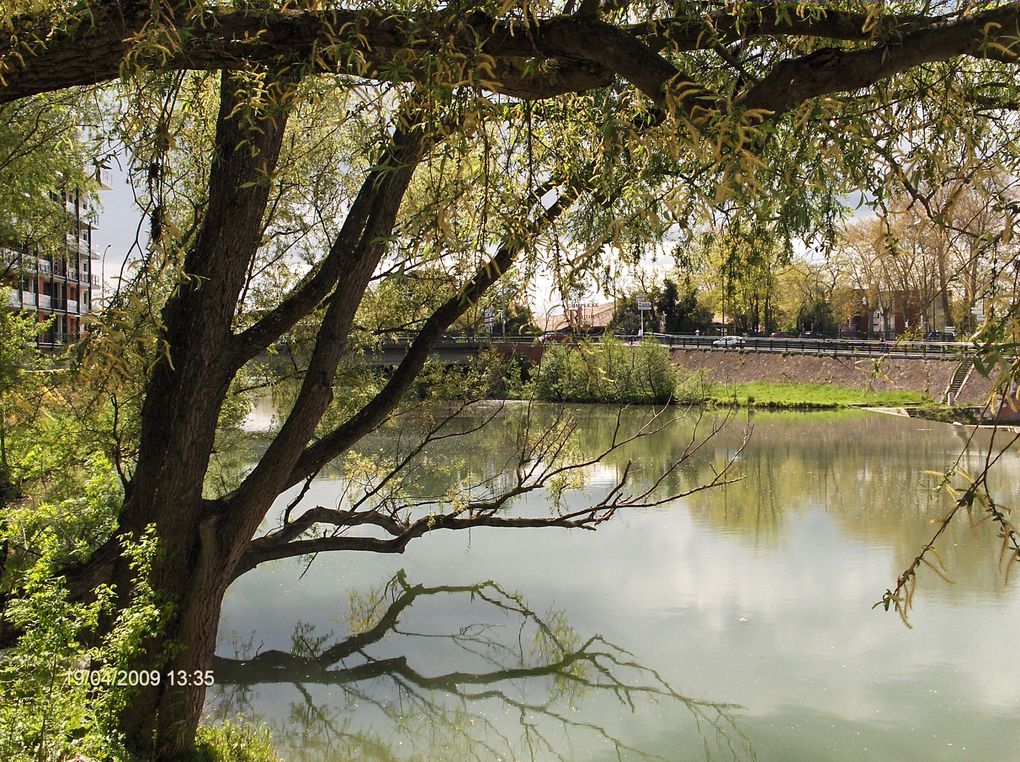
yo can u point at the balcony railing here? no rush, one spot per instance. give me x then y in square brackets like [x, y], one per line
[72, 273]
[22, 299]
[45, 302]
[17, 261]
[45, 267]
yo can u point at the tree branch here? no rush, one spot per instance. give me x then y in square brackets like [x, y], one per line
[385, 180]
[379, 44]
[269, 476]
[992, 35]
[538, 468]
[372, 414]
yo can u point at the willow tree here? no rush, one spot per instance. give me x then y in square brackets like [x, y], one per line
[485, 135]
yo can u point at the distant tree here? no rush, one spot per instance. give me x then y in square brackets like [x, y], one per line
[809, 297]
[681, 311]
[817, 317]
[627, 319]
[740, 269]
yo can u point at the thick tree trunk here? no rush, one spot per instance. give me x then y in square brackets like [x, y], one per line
[183, 399]
[202, 542]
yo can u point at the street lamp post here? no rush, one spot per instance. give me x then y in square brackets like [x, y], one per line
[102, 274]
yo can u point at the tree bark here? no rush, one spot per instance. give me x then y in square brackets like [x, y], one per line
[203, 541]
[184, 395]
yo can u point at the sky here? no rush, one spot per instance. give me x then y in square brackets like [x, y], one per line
[117, 226]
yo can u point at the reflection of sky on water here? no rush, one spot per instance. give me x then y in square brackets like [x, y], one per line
[777, 620]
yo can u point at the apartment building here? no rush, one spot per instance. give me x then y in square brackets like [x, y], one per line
[62, 284]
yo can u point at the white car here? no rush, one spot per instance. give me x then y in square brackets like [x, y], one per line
[728, 341]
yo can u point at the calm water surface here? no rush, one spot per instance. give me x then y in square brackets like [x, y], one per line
[730, 624]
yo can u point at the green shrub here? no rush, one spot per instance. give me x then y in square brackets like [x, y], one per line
[234, 742]
[609, 371]
[50, 708]
[693, 388]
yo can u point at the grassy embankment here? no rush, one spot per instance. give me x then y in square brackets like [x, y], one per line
[613, 372]
[808, 396]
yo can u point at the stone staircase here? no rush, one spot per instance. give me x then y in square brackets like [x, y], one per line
[960, 376]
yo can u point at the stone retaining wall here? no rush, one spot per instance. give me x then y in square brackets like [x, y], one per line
[930, 377]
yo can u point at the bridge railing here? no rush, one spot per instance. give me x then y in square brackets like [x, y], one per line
[858, 347]
[934, 349]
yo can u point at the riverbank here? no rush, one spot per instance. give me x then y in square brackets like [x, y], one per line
[927, 380]
[613, 372]
[808, 396]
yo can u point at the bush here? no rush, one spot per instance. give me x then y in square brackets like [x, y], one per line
[610, 371]
[51, 710]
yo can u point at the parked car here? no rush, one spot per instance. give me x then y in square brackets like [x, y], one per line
[728, 341]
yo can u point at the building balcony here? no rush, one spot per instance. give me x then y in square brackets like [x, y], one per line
[45, 267]
[15, 261]
[45, 302]
[20, 299]
[72, 306]
[79, 244]
[72, 273]
[95, 280]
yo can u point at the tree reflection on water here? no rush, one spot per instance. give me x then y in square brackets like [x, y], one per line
[514, 684]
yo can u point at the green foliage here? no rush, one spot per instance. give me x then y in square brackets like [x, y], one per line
[58, 158]
[681, 311]
[62, 681]
[21, 376]
[233, 742]
[67, 485]
[77, 512]
[606, 371]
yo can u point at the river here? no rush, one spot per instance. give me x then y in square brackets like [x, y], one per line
[734, 623]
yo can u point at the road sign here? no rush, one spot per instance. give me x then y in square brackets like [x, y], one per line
[644, 306]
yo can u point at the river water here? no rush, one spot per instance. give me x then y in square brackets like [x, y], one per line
[734, 623]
